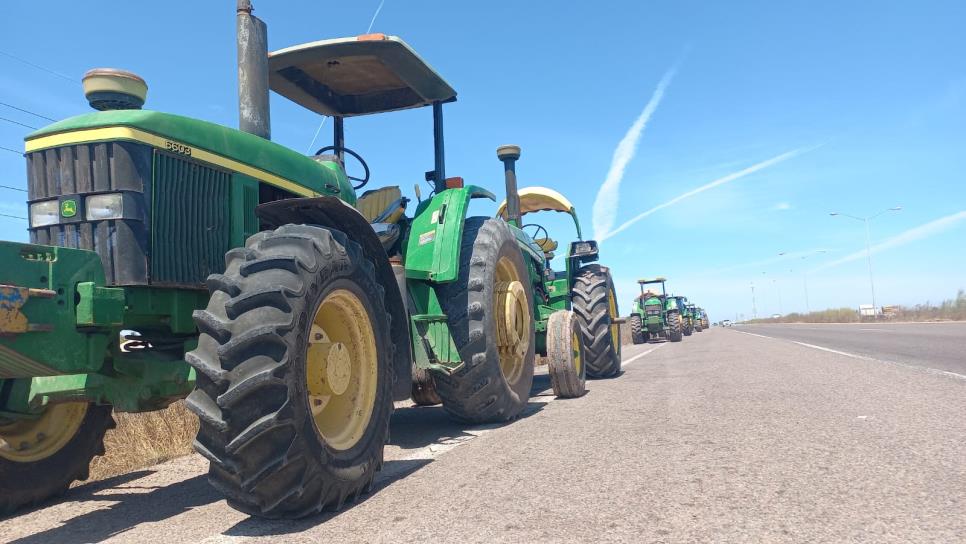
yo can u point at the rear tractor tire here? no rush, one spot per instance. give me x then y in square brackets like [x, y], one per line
[489, 308]
[638, 332]
[39, 458]
[595, 306]
[688, 330]
[675, 334]
[565, 355]
[294, 365]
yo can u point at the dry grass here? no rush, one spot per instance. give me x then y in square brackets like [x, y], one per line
[142, 440]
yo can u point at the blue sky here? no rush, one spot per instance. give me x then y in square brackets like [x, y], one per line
[870, 96]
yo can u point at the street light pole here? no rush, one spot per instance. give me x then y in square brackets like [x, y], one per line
[754, 305]
[868, 248]
[808, 309]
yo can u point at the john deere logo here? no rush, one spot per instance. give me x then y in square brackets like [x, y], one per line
[68, 208]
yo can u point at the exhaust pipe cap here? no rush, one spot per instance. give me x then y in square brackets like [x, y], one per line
[114, 89]
[505, 152]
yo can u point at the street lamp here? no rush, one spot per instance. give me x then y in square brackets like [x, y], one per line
[868, 246]
[808, 310]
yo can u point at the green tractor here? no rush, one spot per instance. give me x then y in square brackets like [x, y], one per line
[171, 256]
[687, 317]
[584, 289]
[703, 319]
[694, 317]
[655, 314]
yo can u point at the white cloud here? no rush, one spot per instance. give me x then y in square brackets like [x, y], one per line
[720, 181]
[782, 206]
[605, 205]
[931, 228]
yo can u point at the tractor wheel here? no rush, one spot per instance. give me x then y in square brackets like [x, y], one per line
[697, 328]
[638, 334]
[688, 330]
[294, 364]
[424, 388]
[39, 458]
[595, 306]
[489, 312]
[675, 332]
[565, 354]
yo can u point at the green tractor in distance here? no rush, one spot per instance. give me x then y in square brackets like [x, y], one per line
[687, 318]
[703, 319]
[694, 317]
[584, 288]
[253, 277]
[655, 314]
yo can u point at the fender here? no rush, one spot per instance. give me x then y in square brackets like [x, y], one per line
[436, 232]
[331, 212]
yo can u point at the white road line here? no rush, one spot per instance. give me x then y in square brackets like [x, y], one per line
[758, 335]
[933, 371]
[639, 355]
[874, 330]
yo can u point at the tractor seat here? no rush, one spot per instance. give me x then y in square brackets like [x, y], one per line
[385, 205]
[548, 245]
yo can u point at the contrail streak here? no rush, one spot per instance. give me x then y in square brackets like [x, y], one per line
[720, 181]
[368, 30]
[605, 205]
[931, 228]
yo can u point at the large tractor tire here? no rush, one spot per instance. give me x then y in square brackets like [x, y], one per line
[489, 308]
[424, 388]
[565, 355]
[294, 364]
[675, 334]
[39, 458]
[595, 306]
[697, 327]
[688, 329]
[638, 332]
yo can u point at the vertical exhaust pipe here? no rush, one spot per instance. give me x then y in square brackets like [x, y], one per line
[509, 154]
[253, 113]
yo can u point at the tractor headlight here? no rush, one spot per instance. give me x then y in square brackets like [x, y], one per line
[107, 206]
[44, 213]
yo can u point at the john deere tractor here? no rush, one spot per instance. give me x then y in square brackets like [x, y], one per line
[694, 317]
[169, 254]
[703, 319]
[687, 318]
[581, 298]
[655, 314]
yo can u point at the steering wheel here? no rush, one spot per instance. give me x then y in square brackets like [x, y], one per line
[337, 149]
[537, 229]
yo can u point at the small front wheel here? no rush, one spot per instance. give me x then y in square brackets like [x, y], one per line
[565, 354]
[638, 334]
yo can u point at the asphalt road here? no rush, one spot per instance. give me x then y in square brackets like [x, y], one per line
[940, 346]
[725, 437]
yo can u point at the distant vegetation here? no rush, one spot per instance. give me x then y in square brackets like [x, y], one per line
[949, 309]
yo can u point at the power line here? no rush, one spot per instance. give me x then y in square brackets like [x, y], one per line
[12, 216]
[11, 150]
[27, 111]
[16, 122]
[13, 188]
[37, 66]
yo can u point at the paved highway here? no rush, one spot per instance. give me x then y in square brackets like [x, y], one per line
[725, 437]
[939, 346]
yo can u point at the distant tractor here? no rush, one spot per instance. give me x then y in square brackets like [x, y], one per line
[655, 314]
[705, 322]
[293, 309]
[687, 318]
[583, 287]
[694, 316]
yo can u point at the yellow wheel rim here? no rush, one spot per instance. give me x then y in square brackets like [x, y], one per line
[575, 346]
[512, 318]
[32, 440]
[341, 369]
[615, 329]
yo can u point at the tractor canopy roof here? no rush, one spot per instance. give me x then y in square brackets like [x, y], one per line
[344, 77]
[537, 199]
[658, 279]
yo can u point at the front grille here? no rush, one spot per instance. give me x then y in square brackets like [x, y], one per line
[190, 231]
[84, 168]
[652, 309]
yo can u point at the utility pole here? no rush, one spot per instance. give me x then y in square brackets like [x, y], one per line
[868, 248]
[754, 304]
